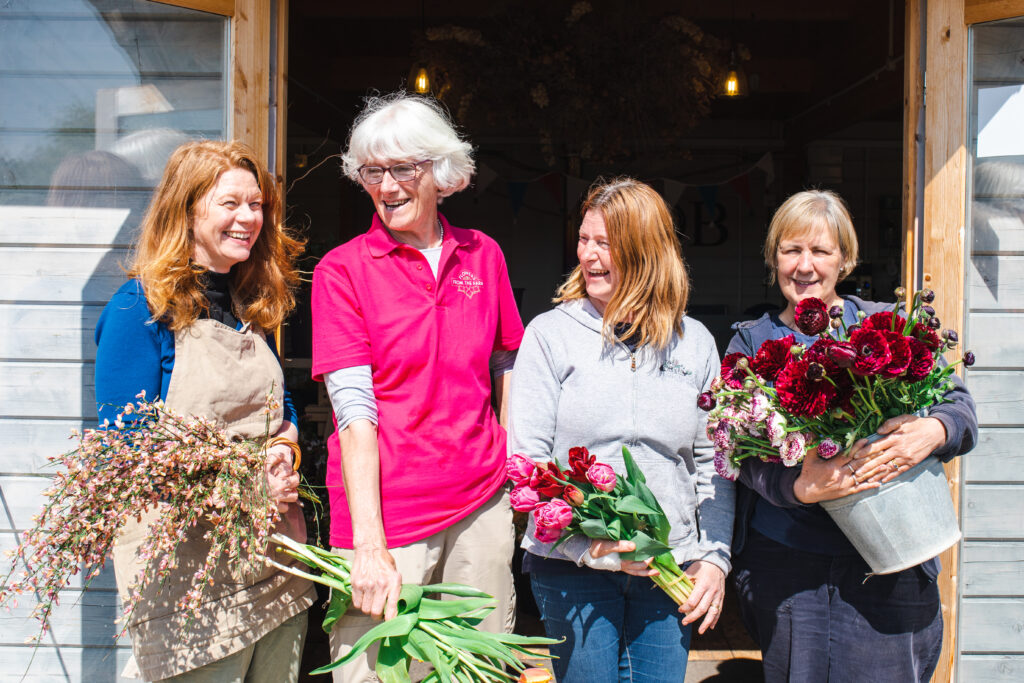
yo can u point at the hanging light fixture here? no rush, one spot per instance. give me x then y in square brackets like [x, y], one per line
[419, 80]
[734, 84]
[419, 77]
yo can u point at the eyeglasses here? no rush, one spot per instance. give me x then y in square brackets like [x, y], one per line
[374, 175]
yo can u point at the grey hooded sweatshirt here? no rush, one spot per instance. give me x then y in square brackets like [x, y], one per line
[570, 388]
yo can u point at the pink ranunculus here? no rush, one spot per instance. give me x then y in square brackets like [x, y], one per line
[519, 468]
[523, 498]
[601, 476]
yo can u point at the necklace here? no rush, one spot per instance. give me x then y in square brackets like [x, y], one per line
[440, 227]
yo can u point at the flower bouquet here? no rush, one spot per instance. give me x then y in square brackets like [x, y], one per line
[589, 499]
[789, 399]
[440, 632]
[115, 475]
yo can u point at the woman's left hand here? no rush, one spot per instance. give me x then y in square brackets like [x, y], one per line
[707, 596]
[910, 439]
[282, 479]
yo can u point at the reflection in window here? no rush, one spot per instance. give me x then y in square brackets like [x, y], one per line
[98, 93]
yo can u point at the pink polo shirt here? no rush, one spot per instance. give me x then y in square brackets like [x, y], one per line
[376, 302]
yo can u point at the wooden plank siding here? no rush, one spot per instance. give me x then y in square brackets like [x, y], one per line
[991, 623]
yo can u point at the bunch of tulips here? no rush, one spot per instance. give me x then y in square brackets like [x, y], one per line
[440, 632]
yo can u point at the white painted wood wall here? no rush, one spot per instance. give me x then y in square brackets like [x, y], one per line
[991, 623]
[59, 267]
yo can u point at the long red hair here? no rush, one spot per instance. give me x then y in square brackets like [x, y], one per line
[262, 286]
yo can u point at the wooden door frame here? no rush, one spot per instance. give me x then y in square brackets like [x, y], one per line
[935, 168]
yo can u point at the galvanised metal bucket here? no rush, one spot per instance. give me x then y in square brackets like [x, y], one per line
[902, 523]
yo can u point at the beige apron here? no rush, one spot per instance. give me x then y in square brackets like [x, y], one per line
[224, 374]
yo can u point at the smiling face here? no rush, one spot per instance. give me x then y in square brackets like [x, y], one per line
[228, 220]
[809, 265]
[408, 208]
[594, 252]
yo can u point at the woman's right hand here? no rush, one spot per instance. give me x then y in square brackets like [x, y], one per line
[830, 479]
[376, 582]
[282, 480]
[603, 553]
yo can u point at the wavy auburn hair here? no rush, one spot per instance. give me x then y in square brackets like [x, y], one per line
[653, 285]
[262, 286]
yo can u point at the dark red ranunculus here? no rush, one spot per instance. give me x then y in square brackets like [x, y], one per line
[706, 401]
[801, 395]
[732, 375]
[842, 354]
[921, 361]
[773, 355]
[544, 482]
[580, 461]
[899, 349]
[883, 321]
[872, 352]
[811, 316]
[926, 335]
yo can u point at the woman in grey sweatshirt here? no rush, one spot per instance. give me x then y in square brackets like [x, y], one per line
[617, 363]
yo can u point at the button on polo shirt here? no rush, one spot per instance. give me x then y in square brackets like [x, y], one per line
[428, 342]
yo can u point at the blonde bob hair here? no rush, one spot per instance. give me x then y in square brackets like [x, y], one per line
[653, 286]
[262, 287]
[807, 212]
[403, 127]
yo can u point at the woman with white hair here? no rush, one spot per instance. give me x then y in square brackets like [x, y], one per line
[414, 328]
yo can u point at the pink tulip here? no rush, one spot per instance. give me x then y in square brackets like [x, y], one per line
[602, 477]
[550, 518]
[524, 499]
[546, 535]
[519, 468]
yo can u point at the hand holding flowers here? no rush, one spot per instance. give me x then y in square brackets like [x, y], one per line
[789, 400]
[618, 513]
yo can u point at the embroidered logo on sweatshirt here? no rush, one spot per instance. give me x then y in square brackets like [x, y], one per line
[467, 283]
[677, 368]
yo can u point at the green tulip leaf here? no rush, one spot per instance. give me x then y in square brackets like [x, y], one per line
[615, 529]
[633, 472]
[409, 598]
[594, 528]
[442, 609]
[392, 664]
[456, 589]
[427, 646]
[630, 504]
[399, 626]
[645, 547]
[339, 604]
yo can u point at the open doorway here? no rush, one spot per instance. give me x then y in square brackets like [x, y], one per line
[823, 109]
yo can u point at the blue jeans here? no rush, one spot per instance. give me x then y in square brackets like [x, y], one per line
[616, 627]
[817, 619]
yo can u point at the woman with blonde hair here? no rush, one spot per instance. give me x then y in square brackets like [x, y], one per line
[213, 274]
[800, 583]
[618, 363]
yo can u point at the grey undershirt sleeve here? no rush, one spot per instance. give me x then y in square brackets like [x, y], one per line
[351, 392]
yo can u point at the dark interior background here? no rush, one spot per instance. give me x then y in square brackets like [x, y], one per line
[824, 110]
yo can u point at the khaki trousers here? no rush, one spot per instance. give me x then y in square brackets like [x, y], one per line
[476, 551]
[274, 658]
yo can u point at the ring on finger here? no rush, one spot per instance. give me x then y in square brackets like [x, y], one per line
[852, 471]
[713, 608]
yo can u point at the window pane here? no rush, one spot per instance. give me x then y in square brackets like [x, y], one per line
[97, 93]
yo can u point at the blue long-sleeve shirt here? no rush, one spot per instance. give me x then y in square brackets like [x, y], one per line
[134, 354]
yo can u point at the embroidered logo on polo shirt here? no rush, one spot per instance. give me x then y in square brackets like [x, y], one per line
[467, 283]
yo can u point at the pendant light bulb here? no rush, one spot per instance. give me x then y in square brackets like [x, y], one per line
[735, 82]
[421, 81]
